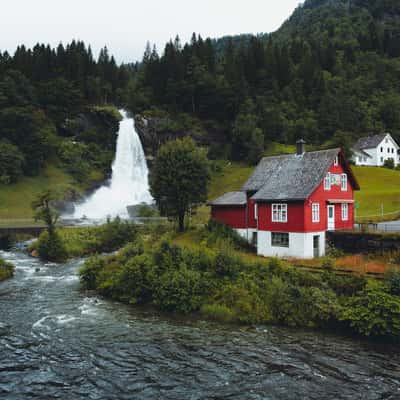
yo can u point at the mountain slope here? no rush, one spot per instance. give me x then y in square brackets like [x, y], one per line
[330, 74]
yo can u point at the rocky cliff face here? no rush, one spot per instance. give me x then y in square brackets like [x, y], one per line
[155, 131]
[98, 126]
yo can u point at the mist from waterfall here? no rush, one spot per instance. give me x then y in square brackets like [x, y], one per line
[129, 181]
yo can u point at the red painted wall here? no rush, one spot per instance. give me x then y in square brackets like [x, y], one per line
[321, 196]
[251, 220]
[233, 216]
[295, 218]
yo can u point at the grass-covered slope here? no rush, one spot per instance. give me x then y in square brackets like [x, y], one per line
[15, 200]
[378, 186]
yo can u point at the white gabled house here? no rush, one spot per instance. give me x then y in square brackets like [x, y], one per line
[374, 150]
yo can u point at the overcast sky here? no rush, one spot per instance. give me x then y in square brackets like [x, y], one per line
[126, 25]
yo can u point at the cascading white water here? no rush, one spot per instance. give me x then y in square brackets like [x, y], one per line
[129, 182]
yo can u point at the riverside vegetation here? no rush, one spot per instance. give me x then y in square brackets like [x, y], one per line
[6, 270]
[217, 282]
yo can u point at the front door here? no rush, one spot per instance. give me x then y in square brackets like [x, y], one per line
[331, 218]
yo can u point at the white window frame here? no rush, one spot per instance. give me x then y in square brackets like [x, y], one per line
[336, 162]
[345, 212]
[315, 209]
[255, 211]
[327, 181]
[279, 212]
[343, 182]
[280, 239]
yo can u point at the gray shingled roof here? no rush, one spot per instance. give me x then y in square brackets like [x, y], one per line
[231, 199]
[369, 142]
[290, 177]
[364, 153]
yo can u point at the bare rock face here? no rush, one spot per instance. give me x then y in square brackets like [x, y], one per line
[154, 131]
[148, 133]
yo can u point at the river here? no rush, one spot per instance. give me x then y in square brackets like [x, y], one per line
[58, 342]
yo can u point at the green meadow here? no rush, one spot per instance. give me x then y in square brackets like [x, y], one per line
[15, 200]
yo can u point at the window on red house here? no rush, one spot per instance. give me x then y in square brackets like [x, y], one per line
[345, 212]
[279, 213]
[344, 182]
[315, 212]
[327, 182]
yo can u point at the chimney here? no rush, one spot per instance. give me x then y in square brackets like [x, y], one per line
[301, 147]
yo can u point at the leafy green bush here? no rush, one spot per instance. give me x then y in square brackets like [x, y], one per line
[89, 272]
[300, 306]
[244, 300]
[389, 163]
[100, 239]
[217, 231]
[179, 290]
[227, 265]
[218, 312]
[344, 285]
[51, 248]
[392, 280]
[373, 312]
[6, 270]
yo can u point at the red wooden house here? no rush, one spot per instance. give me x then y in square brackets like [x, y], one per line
[291, 201]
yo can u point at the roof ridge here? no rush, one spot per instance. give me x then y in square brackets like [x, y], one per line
[295, 154]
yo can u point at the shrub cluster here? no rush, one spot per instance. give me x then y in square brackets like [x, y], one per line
[79, 242]
[6, 270]
[221, 286]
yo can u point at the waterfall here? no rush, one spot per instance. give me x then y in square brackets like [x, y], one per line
[129, 181]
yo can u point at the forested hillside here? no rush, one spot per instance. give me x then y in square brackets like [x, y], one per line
[48, 110]
[330, 75]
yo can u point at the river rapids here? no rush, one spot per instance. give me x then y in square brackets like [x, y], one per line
[59, 342]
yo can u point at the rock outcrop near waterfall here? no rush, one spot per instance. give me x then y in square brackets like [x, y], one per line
[155, 130]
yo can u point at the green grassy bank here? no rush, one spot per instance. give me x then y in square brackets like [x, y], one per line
[15, 200]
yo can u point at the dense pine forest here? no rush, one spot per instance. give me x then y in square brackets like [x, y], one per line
[330, 74]
[42, 91]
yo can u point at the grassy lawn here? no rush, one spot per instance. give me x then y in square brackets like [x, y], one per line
[378, 186]
[231, 177]
[15, 200]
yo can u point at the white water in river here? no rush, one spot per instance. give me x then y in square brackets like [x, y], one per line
[129, 182]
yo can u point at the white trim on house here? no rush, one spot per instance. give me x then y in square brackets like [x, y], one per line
[343, 182]
[327, 181]
[345, 212]
[279, 212]
[315, 210]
